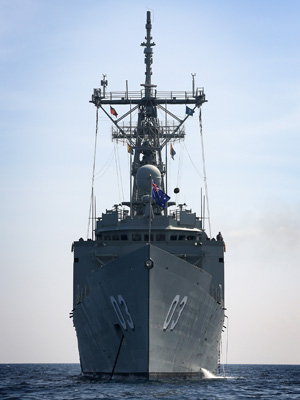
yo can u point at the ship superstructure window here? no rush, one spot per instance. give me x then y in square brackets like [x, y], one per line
[184, 237]
[191, 237]
[107, 237]
[115, 237]
[124, 237]
[146, 237]
[136, 237]
[160, 237]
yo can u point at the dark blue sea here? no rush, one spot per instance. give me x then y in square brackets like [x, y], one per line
[64, 381]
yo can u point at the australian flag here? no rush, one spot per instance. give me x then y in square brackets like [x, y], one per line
[159, 196]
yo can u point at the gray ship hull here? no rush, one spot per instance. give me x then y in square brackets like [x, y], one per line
[154, 320]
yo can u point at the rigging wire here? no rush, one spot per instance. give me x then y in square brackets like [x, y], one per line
[120, 173]
[105, 167]
[130, 163]
[180, 161]
[221, 348]
[93, 176]
[169, 171]
[227, 339]
[117, 171]
[204, 171]
[196, 169]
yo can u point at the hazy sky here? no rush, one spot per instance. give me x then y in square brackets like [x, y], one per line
[246, 54]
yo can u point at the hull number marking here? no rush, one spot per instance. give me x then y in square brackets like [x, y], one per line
[124, 320]
[173, 307]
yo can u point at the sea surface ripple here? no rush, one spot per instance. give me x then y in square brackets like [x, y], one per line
[64, 381]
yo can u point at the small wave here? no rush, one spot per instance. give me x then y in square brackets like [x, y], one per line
[209, 375]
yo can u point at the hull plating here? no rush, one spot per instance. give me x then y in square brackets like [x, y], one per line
[151, 322]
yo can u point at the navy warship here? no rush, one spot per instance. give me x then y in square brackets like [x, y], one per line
[148, 294]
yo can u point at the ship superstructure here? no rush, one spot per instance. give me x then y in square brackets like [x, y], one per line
[149, 285]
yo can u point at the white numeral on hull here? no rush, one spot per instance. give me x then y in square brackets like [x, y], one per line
[172, 310]
[116, 305]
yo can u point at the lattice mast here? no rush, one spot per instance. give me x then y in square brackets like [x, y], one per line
[149, 137]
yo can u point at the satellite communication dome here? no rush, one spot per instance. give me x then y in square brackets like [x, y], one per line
[142, 177]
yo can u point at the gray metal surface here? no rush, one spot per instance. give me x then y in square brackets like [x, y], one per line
[185, 321]
[117, 305]
[170, 322]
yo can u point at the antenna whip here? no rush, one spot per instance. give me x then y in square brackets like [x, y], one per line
[93, 177]
[204, 171]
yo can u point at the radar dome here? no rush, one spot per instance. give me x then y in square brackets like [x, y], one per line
[142, 177]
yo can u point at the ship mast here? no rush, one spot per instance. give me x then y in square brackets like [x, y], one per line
[148, 51]
[148, 137]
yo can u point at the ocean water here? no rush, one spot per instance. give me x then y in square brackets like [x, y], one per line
[64, 381]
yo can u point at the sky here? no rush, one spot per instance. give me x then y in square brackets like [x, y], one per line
[246, 54]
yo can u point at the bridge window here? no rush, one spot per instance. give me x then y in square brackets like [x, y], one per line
[146, 237]
[136, 237]
[191, 237]
[173, 237]
[181, 237]
[160, 237]
[124, 237]
[107, 237]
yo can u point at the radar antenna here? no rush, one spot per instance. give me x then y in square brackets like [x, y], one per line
[147, 139]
